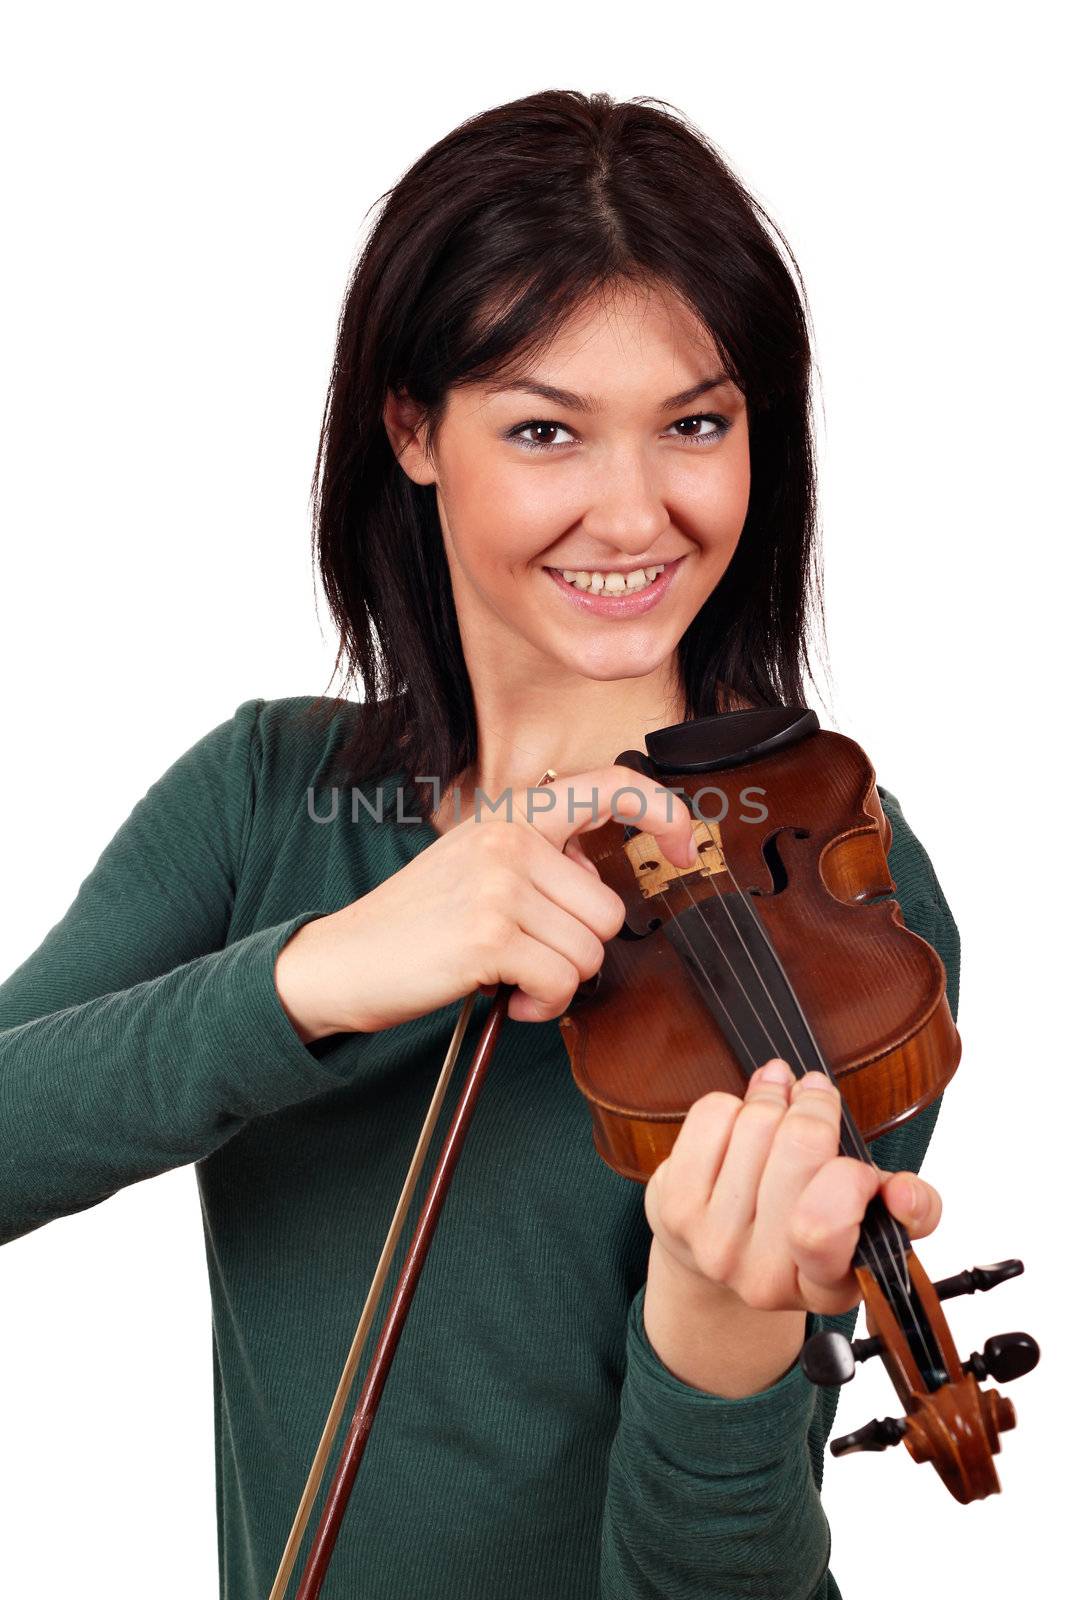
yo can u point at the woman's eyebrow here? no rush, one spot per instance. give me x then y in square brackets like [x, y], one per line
[577, 402]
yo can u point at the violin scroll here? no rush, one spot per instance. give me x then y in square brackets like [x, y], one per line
[950, 1422]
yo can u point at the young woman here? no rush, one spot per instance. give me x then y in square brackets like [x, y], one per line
[565, 496]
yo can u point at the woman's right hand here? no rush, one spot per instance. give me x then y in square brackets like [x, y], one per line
[494, 900]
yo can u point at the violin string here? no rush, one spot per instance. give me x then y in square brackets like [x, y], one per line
[855, 1143]
[855, 1146]
[757, 1015]
[886, 1228]
[903, 1280]
[872, 1263]
[851, 1142]
[893, 1244]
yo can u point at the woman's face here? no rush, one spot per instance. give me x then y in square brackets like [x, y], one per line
[554, 506]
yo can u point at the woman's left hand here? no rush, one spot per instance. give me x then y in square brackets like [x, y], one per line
[755, 1198]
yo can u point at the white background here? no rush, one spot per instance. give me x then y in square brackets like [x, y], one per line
[184, 194]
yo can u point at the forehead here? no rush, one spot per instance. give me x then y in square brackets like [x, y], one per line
[624, 340]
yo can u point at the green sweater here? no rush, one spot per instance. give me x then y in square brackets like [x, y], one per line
[530, 1444]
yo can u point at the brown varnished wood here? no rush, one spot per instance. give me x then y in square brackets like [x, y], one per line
[873, 991]
[956, 1426]
[644, 1046]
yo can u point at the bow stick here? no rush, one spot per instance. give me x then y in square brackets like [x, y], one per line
[403, 1205]
[374, 1383]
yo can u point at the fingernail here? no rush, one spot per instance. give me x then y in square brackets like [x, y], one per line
[912, 1197]
[816, 1080]
[776, 1072]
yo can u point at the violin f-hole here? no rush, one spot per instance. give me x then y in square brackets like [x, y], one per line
[772, 855]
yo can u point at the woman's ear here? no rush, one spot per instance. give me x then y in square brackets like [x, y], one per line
[407, 433]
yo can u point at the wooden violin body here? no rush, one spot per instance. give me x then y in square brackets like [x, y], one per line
[803, 831]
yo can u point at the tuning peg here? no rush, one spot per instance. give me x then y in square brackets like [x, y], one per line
[978, 1280]
[877, 1435]
[1005, 1356]
[828, 1358]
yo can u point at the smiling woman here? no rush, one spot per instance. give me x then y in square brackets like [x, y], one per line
[565, 498]
[601, 258]
[533, 531]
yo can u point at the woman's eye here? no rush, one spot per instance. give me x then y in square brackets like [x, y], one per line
[717, 428]
[537, 427]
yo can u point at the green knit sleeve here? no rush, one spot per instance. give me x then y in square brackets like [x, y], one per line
[709, 1496]
[136, 1038]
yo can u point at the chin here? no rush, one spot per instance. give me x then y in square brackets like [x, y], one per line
[612, 666]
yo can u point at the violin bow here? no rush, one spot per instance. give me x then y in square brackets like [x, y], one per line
[317, 1564]
[370, 1306]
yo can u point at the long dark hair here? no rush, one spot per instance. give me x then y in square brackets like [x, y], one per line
[480, 253]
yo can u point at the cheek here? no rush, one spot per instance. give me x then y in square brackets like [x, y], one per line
[501, 519]
[728, 493]
[735, 507]
[706, 488]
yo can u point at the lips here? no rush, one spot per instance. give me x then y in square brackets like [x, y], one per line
[620, 606]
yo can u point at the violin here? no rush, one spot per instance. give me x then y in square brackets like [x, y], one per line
[781, 940]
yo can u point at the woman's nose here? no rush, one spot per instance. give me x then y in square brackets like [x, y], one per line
[626, 511]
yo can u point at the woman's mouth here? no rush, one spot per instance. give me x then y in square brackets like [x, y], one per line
[615, 594]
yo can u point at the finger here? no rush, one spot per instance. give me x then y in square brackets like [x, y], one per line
[824, 1230]
[574, 852]
[587, 800]
[912, 1201]
[732, 1207]
[550, 925]
[544, 979]
[676, 1195]
[808, 1136]
[582, 894]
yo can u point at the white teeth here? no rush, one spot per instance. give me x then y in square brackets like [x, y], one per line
[613, 582]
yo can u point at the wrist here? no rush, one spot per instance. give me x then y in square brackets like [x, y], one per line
[709, 1338]
[301, 979]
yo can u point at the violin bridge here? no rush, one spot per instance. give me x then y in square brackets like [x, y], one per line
[653, 872]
